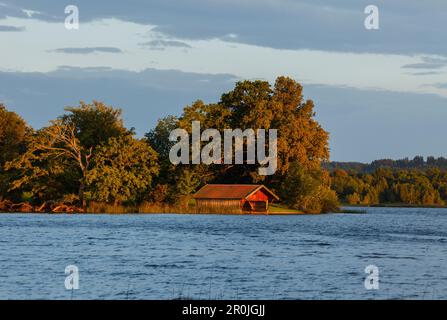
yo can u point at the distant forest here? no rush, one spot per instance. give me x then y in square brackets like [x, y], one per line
[417, 162]
[417, 182]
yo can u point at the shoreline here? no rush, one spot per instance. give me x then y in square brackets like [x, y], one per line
[393, 205]
[171, 213]
[285, 213]
[345, 209]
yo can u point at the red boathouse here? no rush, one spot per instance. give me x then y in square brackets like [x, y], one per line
[242, 198]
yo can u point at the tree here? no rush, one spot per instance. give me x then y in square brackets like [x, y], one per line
[256, 105]
[67, 148]
[95, 123]
[13, 134]
[307, 190]
[124, 170]
[56, 146]
[385, 185]
[371, 196]
[187, 183]
[158, 137]
[353, 199]
[300, 137]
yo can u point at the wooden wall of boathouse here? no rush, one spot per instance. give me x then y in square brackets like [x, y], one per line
[217, 205]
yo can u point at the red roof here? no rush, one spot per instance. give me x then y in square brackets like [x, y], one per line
[231, 191]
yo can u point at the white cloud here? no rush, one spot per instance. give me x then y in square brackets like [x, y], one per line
[31, 13]
[33, 50]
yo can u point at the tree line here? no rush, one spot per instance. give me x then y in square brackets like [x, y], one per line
[417, 187]
[87, 155]
[418, 162]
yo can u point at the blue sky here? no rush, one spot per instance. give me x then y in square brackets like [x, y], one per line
[380, 93]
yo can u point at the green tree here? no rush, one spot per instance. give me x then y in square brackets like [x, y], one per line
[66, 150]
[124, 170]
[50, 152]
[13, 135]
[254, 104]
[258, 105]
[187, 183]
[307, 190]
[158, 137]
[94, 123]
[423, 186]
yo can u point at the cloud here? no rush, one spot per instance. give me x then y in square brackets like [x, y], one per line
[406, 26]
[425, 73]
[162, 44]
[440, 85]
[16, 9]
[373, 124]
[4, 28]
[424, 65]
[364, 124]
[144, 96]
[428, 64]
[30, 13]
[85, 70]
[88, 50]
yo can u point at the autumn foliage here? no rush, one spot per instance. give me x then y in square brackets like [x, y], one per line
[86, 156]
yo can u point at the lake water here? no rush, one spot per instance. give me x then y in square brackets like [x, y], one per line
[225, 256]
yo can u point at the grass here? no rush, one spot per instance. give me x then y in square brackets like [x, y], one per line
[166, 208]
[190, 207]
[277, 208]
[143, 208]
[110, 209]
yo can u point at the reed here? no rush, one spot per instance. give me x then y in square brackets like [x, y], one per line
[96, 207]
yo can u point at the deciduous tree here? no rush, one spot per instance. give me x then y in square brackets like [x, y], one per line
[124, 170]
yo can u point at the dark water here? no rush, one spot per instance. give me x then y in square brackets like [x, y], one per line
[225, 257]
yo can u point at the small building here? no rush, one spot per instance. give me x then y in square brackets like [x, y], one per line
[234, 198]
